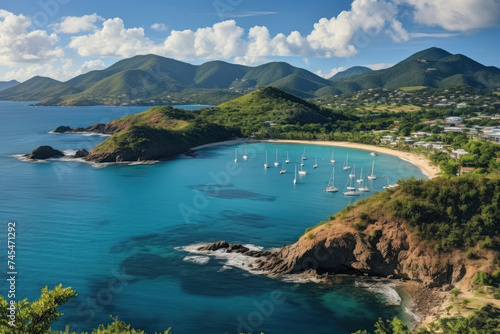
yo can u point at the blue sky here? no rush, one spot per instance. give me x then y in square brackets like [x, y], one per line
[64, 38]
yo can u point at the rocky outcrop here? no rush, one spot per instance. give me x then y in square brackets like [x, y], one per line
[338, 248]
[81, 153]
[233, 248]
[62, 129]
[101, 128]
[44, 152]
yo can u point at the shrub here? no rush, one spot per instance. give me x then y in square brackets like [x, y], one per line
[471, 255]
[482, 278]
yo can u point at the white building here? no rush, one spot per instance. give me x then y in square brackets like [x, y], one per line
[454, 120]
[386, 139]
[453, 129]
[459, 153]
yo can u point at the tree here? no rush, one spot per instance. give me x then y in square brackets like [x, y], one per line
[36, 317]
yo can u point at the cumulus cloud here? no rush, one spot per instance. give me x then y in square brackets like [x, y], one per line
[159, 27]
[90, 66]
[113, 40]
[61, 70]
[18, 45]
[456, 15]
[76, 24]
[342, 35]
[333, 71]
[222, 40]
[339, 36]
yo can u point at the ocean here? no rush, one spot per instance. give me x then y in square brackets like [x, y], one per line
[120, 235]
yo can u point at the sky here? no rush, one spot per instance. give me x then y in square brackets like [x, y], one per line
[64, 38]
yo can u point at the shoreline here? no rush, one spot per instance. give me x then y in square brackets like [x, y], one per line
[420, 161]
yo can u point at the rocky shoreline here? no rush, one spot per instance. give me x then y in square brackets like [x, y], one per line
[336, 248]
[98, 128]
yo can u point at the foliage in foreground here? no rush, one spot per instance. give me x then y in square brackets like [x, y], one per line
[37, 316]
[484, 321]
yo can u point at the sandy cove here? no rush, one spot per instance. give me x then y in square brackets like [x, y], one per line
[422, 162]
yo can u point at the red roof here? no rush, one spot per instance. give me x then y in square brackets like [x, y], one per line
[467, 169]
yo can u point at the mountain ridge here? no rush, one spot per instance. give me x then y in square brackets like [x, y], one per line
[159, 80]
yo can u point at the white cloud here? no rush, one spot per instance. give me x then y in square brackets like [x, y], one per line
[76, 24]
[333, 71]
[222, 40]
[61, 70]
[18, 45]
[456, 15]
[379, 66]
[159, 27]
[113, 40]
[90, 66]
[339, 36]
[342, 35]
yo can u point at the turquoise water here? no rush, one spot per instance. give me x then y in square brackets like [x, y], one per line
[114, 234]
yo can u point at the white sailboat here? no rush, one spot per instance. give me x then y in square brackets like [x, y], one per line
[302, 172]
[331, 184]
[350, 190]
[372, 176]
[295, 179]
[236, 155]
[304, 155]
[315, 163]
[276, 163]
[245, 156]
[363, 187]
[353, 173]
[360, 180]
[346, 163]
[283, 170]
[332, 160]
[266, 165]
[287, 158]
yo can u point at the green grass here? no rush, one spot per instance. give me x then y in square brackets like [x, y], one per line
[412, 88]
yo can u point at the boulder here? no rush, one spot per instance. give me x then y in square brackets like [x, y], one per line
[214, 246]
[81, 153]
[62, 129]
[44, 152]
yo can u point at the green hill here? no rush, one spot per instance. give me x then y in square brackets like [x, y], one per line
[251, 111]
[433, 67]
[37, 88]
[355, 70]
[218, 74]
[8, 84]
[143, 78]
[157, 133]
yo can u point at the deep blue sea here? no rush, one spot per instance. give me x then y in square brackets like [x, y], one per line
[115, 234]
